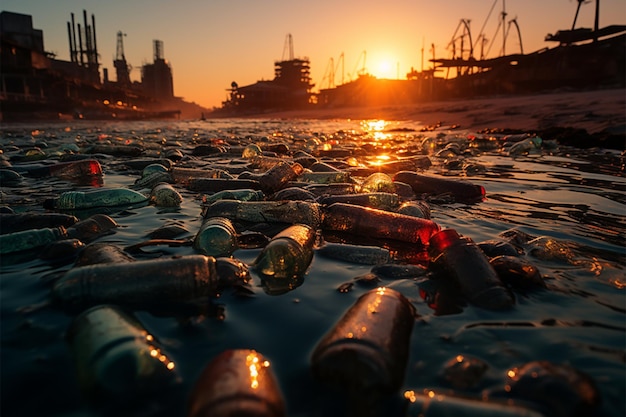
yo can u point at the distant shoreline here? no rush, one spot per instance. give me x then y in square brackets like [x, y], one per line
[595, 111]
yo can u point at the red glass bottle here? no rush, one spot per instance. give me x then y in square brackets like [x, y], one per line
[369, 222]
[461, 260]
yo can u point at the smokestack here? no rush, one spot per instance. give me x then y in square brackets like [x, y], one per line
[69, 35]
[95, 47]
[74, 57]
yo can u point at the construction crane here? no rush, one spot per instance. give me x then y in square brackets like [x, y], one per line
[288, 47]
[122, 68]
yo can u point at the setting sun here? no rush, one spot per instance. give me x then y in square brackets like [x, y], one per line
[384, 69]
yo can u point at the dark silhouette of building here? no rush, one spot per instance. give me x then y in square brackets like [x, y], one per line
[156, 78]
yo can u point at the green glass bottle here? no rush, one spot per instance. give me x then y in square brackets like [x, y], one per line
[292, 212]
[286, 258]
[30, 239]
[104, 197]
[116, 359]
[217, 237]
[246, 194]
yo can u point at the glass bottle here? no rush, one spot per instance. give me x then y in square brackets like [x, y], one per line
[292, 212]
[183, 176]
[332, 177]
[104, 197]
[217, 237]
[92, 227]
[241, 195]
[415, 208]
[286, 258]
[17, 222]
[237, 382]
[116, 359]
[378, 182]
[164, 195]
[432, 404]
[379, 200]
[214, 185]
[376, 223]
[359, 254]
[102, 253]
[461, 260]
[462, 191]
[155, 284]
[65, 170]
[30, 239]
[367, 350]
[277, 177]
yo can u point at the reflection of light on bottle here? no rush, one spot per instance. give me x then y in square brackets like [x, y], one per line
[366, 351]
[116, 358]
[236, 382]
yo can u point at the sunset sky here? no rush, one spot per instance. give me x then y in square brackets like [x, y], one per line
[211, 43]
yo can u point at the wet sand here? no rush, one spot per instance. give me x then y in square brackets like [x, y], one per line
[594, 111]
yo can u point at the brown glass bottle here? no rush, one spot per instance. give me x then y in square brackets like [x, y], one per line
[461, 260]
[154, 284]
[367, 349]
[238, 382]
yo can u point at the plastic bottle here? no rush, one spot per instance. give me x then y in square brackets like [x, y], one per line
[116, 359]
[237, 382]
[461, 260]
[104, 197]
[292, 212]
[92, 227]
[286, 258]
[30, 239]
[462, 191]
[367, 350]
[369, 222]
[153, 284]
[217, 237]
[359, 254]
[431, 404]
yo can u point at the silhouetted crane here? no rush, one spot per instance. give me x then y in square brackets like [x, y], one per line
[122, 68]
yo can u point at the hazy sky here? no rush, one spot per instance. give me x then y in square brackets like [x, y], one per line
[210, 43]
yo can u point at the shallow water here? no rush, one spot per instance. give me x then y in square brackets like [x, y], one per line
[576, 197]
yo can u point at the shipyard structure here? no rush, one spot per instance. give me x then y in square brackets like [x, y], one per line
[582, 58]
[34, 84]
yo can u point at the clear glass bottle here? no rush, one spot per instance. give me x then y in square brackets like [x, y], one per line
[461, 260]
[117, 361]
[237, 382]
[217, 237]
[30, 239]
[369, 222]
[367, 350]
[286, 258]
[462, 191]
[104, 197]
